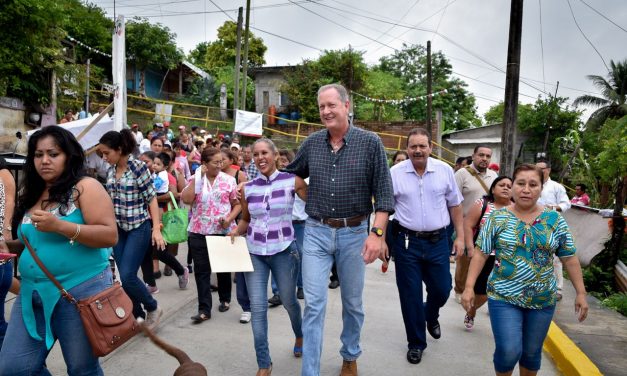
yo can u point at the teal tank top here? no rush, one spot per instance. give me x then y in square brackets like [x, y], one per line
[70, 264]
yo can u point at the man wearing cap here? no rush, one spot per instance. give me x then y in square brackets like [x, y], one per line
[137, 133]
[182, 130]
[169, 132]
[347, 167]
[235, 148]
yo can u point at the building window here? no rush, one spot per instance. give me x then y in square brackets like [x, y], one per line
[284, 100]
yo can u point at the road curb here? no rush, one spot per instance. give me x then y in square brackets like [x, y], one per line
[567, 356]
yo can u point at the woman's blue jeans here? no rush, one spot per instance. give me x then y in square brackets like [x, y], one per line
[129, 253]
[25, 356]
[6, 277]
[518, 334]
[283, 266]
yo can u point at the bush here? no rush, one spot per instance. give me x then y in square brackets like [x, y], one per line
[617, 302]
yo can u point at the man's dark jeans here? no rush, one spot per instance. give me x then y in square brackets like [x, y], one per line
[424, 260]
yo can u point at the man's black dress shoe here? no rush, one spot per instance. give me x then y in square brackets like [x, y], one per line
[414, 356]
[334, 284]
[434, 329]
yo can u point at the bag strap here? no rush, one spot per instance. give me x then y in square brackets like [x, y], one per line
[474, 173]
[63, 291]
[484, 207]
[176, 206]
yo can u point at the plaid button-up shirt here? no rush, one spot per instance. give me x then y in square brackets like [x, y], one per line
[131, 194]
[343, 183]
[251, 171]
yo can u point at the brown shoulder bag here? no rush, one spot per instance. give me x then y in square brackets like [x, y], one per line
[107, 316]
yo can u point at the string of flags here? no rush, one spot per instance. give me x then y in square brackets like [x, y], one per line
[92, 49]
[400, 101]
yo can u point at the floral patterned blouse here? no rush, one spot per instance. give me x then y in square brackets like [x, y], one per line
[211, 204]
[523, 268]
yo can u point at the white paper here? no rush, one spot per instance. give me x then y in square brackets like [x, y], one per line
[198, 180]
[227, 257]
[249, 123]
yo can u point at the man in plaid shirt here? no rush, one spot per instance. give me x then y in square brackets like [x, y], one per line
[249, 165]
[347, 167]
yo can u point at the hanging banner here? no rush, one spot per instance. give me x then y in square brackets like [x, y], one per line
[119, 73]
[249, 123]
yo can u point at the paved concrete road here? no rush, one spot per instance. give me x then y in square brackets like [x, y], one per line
[225, 346]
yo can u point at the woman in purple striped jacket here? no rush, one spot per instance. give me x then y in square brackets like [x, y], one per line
[267, 206]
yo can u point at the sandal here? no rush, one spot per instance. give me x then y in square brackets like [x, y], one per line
[199, 318]
[264, 371]
[298, 347]
[224, 306]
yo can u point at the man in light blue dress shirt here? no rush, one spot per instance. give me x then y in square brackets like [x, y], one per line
[426, 200]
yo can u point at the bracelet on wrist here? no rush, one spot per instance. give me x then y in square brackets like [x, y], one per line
[75, 236]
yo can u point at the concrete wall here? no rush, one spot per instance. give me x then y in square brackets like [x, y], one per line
[270, 82]
[486, 132]
[12, 121]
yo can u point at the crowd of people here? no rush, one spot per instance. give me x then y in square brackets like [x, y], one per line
[304, 216]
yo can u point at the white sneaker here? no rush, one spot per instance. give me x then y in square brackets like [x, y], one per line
[245, 317]
[153, 318]
[458, 298]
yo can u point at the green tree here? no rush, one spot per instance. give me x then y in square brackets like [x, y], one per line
[30, 48]
[198, 55]
[221, 52]
[380, 85]
[333, 66]
[151, 45]
[457, 104]
[613, 102]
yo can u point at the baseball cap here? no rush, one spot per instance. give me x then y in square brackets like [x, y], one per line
[158, 125]
[181, 127]
[236, 146]
[202, 131]
[135, 125]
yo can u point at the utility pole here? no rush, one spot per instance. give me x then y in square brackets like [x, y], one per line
[238, 51]
[512, 76]
[246, 41]
[87, 88]
[429, 89]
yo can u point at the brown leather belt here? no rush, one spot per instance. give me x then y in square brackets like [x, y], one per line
[342, 222]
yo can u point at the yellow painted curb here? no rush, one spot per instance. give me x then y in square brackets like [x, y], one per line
[567, 356]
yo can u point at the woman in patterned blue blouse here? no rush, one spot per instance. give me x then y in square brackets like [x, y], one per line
[522, 286]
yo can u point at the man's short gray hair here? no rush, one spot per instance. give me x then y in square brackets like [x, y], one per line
[341, 90]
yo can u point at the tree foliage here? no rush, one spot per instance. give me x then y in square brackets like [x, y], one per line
[31, 43]
[30, 48]
[346, 67]
[383, 85]
[221, 52]
[410, 65]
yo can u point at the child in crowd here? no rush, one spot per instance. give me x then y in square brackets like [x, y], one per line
[158, 165]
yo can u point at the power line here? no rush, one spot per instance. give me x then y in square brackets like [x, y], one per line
[400, 19]
[541, 44]
[340, 25]
[441, 17]
[189, 13]
[602, 15]
[584, 35]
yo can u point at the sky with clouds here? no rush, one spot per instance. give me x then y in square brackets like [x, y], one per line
[472, 33]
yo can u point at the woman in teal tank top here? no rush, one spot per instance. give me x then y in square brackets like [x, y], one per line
[73, 238]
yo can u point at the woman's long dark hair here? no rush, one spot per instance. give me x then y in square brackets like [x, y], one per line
[62, 190]
[490, 196]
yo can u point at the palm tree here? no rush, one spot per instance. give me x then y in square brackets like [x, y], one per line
[612, 104]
